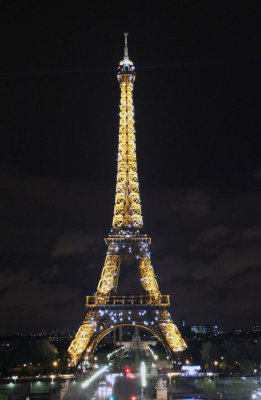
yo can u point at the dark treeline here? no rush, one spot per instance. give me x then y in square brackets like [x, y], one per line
[223, 354]
[30, 357]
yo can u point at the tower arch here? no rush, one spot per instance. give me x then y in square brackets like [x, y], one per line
[101, 335]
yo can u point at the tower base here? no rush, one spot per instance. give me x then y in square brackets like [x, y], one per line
[116, 311]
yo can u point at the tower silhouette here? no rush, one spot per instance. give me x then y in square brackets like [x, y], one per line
[127, 241]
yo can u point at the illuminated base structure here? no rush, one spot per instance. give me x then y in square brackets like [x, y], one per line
[126, 241]
[116, 311]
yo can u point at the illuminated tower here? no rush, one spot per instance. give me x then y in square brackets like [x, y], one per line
[126, 241]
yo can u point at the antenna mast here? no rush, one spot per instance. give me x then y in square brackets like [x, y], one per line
[126, 46]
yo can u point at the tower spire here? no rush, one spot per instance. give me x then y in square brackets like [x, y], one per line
[127, 209]
[126, 55]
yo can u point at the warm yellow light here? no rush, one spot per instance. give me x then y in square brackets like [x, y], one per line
[173, 374]
[55, 363]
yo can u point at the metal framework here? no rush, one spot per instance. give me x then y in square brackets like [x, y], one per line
[126, 241]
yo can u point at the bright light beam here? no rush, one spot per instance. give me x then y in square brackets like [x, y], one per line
[114, 352]
[153, 354]
[143, 374]
[94, 376]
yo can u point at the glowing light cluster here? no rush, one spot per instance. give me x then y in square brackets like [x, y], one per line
[191, 370]
[101, 371]
[114, 352]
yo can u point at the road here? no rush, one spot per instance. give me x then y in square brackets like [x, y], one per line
[111, 387]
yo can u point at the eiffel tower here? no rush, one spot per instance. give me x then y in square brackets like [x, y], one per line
[127, 241]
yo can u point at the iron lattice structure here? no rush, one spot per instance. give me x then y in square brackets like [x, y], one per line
[127, 240]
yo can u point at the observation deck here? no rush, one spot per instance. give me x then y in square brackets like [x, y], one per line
[127, 236]
[129, 301]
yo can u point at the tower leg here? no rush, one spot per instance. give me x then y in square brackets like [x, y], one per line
[83, 336]
[171, 332]
[109, 276]
[148, 279]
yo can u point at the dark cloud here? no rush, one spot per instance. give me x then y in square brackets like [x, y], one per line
[31, 303]
[257, 174]
[194, 202]
[58, 262]
[74, 242]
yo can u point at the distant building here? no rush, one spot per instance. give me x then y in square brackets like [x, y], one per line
[216, 330]
[136, 342]
[182, 322]
[200, 329]
[7, 343]
[237, 331]
[255, 329]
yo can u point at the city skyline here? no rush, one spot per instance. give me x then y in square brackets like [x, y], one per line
[196, 96]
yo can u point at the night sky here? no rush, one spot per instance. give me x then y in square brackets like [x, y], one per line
[197, 113]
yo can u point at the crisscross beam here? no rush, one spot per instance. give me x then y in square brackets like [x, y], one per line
[127, 209]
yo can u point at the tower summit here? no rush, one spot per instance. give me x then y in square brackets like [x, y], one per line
[127, 209]
[126, 241]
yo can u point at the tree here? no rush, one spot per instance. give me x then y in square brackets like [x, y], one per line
[38, 352]
[63, 356]
[206, 351]
[30, 353]
[246, 366]
[223, 365]
[209, 352]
